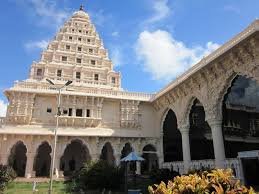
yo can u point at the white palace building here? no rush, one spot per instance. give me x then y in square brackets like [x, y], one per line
[207, 117]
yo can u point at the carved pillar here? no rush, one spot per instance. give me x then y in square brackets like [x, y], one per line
[29, 165]
[74, 111]
[160, 160]
[4, 152]
[84, 112]
[95, 157]
[218, 142]
[57, 171]
[139, 153]
[99, 111]
[186, 147]
[74, 107]
[138, 166]
[117, 159]
[160, 153]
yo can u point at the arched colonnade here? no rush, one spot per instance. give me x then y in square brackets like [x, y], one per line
[35, 161]
[206, 127]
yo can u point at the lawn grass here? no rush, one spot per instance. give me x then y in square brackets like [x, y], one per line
[26, 188]
[60, 187]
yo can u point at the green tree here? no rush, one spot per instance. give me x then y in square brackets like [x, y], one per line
[96, 176]
[7, 174]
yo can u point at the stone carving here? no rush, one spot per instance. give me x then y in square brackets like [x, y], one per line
[129, 114]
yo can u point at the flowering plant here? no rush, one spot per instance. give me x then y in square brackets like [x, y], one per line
[218, 181]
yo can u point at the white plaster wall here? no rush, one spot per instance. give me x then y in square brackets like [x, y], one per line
[149, 120]
[111, 113]
[40, 113]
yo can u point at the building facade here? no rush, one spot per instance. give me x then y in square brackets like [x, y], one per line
[204, 118]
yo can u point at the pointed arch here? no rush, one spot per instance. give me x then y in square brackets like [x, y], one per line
[201, 143]
[107, 153]
[149, 153]
[42, 160]
[240, 116]
[75, 155]
[172, 140]
[127, 148]
[18, 159]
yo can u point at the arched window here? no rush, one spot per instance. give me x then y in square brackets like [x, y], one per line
[172, 140]
[126, 150]
[151, 160]
[74, 157]
[201, 144]
[107, 154]
[17, 158]
[43, 160]
[240, 111]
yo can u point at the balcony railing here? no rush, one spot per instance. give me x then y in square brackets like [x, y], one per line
[91, 91]
[199, 164]
[232, 163]
[176, 166]
[235, 165]
[68, 121]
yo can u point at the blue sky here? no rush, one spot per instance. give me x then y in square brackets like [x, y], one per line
[150, 41]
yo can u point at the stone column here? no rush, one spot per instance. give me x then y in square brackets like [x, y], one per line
[84, 112]
[29, 165]
[117, 159]
[218, 142]
[138, 168]
[186, 147]
[160, 160]
[74, 111]
[57, 166]
[4, 151]
[95, 157]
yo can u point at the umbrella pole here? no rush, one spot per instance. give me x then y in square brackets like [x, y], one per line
[126, 178]
[135, 175]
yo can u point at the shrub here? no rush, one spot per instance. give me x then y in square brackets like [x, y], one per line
[159, 175]
[200, 171]
[96, 175]
[218, 181]
[7, 174]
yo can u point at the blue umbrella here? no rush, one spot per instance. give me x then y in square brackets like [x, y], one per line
[132, 157]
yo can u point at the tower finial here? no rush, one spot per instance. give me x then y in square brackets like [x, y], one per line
[81, 8]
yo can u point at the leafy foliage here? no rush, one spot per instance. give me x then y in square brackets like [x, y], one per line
[218, 181]
[7, 174]
[96, 175]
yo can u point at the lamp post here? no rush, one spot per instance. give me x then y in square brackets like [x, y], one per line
[55, 132]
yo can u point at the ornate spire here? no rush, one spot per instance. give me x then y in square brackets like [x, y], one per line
[80, 46]
[81, 8]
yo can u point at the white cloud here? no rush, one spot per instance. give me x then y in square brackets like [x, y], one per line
[161, 11]
[48, 12]
[115, 33]
[164, 57]
[3, 108]
[32, 45]
[99, 18]
[116, 57]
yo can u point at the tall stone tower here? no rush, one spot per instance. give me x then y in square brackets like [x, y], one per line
[77, 54]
